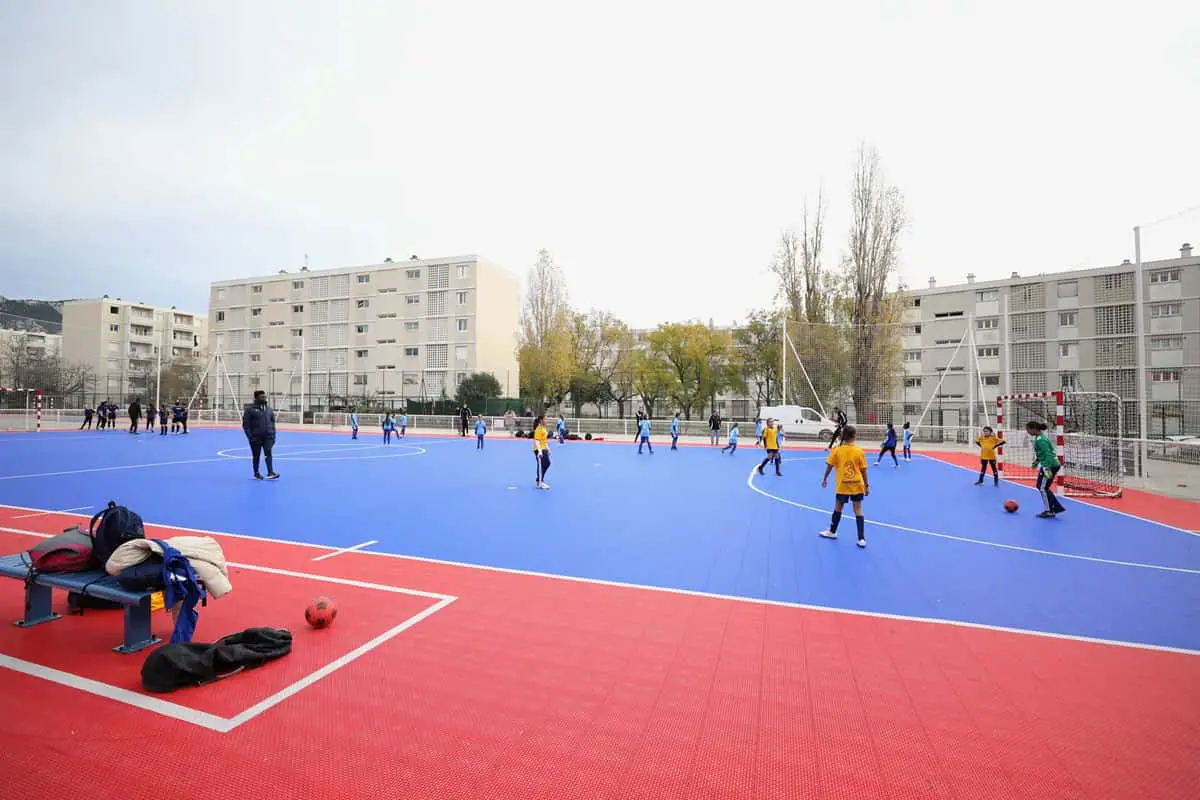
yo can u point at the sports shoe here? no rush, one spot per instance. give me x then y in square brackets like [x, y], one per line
[257, 477]
[272, 476]
[1046, 515]
[862, 542]
[543, 485]
[829, 534]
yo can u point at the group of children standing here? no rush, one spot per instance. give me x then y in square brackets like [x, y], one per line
[105, 417]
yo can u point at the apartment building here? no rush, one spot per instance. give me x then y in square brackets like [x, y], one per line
[1068, 330]
[38, 345]
[379, 334]
[119, 340]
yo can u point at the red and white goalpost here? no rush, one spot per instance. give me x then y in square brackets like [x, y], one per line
[1086, 428]
[33, 407]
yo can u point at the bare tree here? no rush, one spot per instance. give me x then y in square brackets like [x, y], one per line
[877, 220]
[789, 276]
[812, 242]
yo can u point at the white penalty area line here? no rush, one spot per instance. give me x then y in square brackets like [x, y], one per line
[338, 552]
[967, 540]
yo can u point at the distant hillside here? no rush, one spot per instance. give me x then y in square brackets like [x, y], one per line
[31, 315]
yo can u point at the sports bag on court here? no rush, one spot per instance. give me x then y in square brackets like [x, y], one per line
[113, 527]
[70, 551]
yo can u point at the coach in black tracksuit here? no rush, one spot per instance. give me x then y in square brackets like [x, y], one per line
[258, 423]
[135, 414]
[839, 420]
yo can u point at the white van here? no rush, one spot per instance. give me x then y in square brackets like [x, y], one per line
[799, 421]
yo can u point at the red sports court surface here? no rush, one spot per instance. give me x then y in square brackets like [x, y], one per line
[534, 687]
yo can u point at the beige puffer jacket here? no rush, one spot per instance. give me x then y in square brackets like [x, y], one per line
[205, 554]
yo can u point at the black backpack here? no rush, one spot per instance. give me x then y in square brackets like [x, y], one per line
[111, 528]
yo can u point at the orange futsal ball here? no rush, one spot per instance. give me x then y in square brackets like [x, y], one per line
[321, 612]
[1011, 506]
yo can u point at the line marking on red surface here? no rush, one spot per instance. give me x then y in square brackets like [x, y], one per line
[1125, 514]
[44, 513]
[214, 722]
[350, 549]
[673, 590]
[999, 545]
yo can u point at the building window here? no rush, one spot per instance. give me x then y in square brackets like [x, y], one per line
[1166, 343]
[256, 357]
[364, 278]
[987, 295]
[1165, 276]
[1069, 381]
[912, 355]
[114, 328]
[912, 383]
[385, 366]
[1068, 319]
[462, 326]
[913, 302]
[991, 380]
[1165, 376]
[360, 380]
[1068, 289]
[220, 316]
[1166, 309]
[412, 274]
[360, 353]
[462, 298]
[947, 314]
[987, 324]
[255, 334]
[1068, 350]
[364, 303]
[297, 284]
[412, 299]
[412, 325]
[460, 353]
[256, 289]
[912, 330]
[114, 309]
[988, 352]
[387, 290]
[464, 271]
[298, 309]
[256, 312]
[360, 328]
[411, 352]
[297, 331]
[385, 341]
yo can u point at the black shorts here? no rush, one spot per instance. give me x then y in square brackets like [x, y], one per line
[849, 498]
[772, 453]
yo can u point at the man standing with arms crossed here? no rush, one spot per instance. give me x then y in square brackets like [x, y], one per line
[258, 423]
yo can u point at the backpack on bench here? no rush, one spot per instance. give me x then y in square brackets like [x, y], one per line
[70, 551]
[111, 528]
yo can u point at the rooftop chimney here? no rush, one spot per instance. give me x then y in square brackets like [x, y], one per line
[1015, 275]
[970, 277]
[1185, 251]
[933, 283]
[1126, 261]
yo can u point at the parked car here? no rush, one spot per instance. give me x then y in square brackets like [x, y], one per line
[800, 421]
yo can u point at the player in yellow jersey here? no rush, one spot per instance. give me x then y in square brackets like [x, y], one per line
[988, 442]
[541, 451]
[851, 464]
[770, 438]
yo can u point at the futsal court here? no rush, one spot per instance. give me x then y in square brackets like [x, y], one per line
[654, 626]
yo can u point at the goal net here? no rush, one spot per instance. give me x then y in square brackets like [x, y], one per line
[1086, 428]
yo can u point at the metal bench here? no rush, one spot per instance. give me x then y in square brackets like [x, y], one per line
[39, 599]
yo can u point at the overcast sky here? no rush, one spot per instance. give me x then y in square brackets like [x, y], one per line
[656, 149]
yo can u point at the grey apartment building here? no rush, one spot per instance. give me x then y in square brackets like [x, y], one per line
[379, 334]
[1069, 330]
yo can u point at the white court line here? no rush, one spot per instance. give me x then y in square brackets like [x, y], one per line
[1055, 553]
[213, 722]
[1016, 485]
[350, 549]
[44, 513]
[675, 591]
[109, 469]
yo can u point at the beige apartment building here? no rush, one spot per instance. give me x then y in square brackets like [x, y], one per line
[119, 340]
[1067, 330]
[374, 335]
[38, 345]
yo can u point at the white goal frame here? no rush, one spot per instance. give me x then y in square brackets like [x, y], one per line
[1090, 480]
